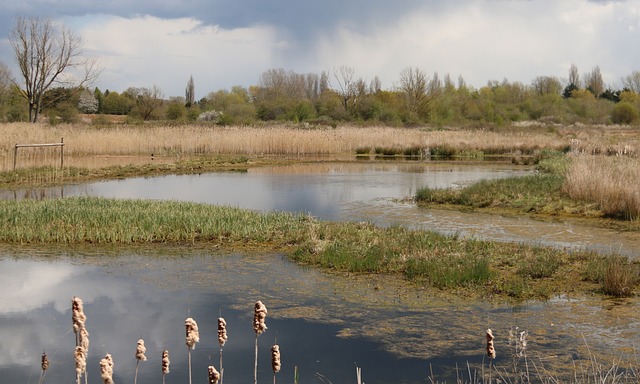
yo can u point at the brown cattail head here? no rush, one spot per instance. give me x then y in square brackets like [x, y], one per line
[214, 376]
[491, 352]
[275, 358]
[165, 362]
[140, 351]
[106, 369]
[77, 314]
[45, 362]
[259, 315]
[193, 336]
[222, 331]
[81, 360]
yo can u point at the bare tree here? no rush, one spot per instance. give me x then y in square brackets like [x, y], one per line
[632, 81]
[574, 77]
[346, 87]
[415, 86]
[148, 100]
[44, 51]
[593, 81]
[547, 85]
[190, 93]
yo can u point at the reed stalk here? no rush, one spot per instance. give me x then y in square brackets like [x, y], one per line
[491, 351]
[222, 339]
[259, 326]
[80, 357]
[140, 356]
[192, 338]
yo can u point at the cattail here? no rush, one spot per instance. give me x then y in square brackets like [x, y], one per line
[165, 362]
[275, 358]
[259, 316]
[214, 376]
[140, 351]
[45, 362]
[491, 352]
[81, 362]
[77, 316]
[222, 331]
[83, 339]
[193, 336]
[106, 369]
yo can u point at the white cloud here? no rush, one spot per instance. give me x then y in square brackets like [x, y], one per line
[144, 51]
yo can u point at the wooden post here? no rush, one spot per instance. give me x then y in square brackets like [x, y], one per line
[61, 152]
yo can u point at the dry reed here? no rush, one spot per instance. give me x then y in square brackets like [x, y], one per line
[214, 376]
[106, 369]
[192, 337]
[78, 317]
[491, 351]
[44, 364]
[222, 339]
[82, 140]
[165, 364]
[259, 326]
[80, 357]
[611, 183]
[275, 360]
[140, 356]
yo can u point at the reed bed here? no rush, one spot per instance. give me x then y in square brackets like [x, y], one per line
[137, 140]
[427, 257]
[611, 182]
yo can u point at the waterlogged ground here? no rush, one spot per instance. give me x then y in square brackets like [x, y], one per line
[325, 324]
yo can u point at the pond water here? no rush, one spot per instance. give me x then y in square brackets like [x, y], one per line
[326, 325]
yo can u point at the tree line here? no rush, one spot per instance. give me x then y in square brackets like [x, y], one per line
[43, 52]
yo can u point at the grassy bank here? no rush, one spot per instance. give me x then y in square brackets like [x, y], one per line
[467, 266]
[585, 186]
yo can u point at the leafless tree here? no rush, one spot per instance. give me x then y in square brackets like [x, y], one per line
[346, 86]
[415, 86]
[547, 85]
[593, 81]
[632, 81]
[46, 52]
[574, 77]
[147, 100]
[190, 93]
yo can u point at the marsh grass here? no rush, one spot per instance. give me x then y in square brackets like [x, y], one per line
[617, 275]
[427, 257]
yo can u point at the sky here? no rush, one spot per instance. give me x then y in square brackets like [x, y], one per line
[223, 43]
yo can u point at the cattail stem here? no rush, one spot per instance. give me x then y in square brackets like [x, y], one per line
[255, 367]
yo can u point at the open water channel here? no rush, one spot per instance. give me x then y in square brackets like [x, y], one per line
[326, 325]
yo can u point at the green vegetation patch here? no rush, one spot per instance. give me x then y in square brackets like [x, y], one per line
[475, 267]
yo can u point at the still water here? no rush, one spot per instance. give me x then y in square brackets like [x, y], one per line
[325, 325]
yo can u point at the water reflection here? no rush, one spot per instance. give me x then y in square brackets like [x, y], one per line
[324, 324]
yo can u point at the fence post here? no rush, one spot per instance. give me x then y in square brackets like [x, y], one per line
[62, 153]
[15, 156]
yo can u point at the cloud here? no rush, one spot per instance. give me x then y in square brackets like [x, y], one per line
[225, 43]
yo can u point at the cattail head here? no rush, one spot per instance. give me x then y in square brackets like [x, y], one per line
[222, 331]
[214, 376]
[193, 336]
[77, 314]
[165, 362]
[491, 352]
[275, 358]
[140, 351]
[106, 369]
[259, 316]
[81, 360]
[45, 362]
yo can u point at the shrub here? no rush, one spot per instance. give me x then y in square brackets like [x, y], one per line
[624, 113]
[212, 116]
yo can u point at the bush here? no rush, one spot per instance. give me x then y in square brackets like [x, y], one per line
[212, 116]
[624, 113]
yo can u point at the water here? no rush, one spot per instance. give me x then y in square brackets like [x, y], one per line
[326, 325]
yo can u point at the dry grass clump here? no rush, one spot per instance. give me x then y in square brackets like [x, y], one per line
[612, 183]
